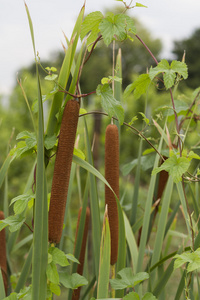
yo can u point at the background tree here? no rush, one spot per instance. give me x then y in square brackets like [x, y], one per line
[192, 47]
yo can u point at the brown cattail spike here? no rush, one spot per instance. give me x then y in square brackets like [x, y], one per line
[76, 293]
[62, 170]
[3, 262]
[112, 176]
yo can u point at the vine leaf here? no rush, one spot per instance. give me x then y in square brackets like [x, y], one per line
[72, 281]
[193, 260]
[91, 25]
[175, 166]
[116, 27]
[128, 280]
[14, 222]
[109, 103]
[169, 71]
[138, 87]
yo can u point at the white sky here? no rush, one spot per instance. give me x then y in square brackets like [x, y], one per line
[166, 19]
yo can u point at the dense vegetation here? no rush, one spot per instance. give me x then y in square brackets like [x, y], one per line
[110, 115]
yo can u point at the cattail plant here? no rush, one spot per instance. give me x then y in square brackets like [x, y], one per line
[62, 170]
[112, 176]
[3, 262]
[76, 293]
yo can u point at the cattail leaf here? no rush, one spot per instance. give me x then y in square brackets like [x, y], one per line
[87, 166]
[161, 226]
[64, 74]
[131, 242]
[2, 289]
[4, 168]
[147, 214]
[104, 263]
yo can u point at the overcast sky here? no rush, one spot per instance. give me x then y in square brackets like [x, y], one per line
[166, 19]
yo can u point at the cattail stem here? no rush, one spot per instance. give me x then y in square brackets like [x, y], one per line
[76, 293]
[112, 176]
[3, 261]
[62, 170]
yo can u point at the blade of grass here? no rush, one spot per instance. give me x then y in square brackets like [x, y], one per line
[121, 261]
[136, 187]
[104, 262]
[2, 290]
[94, 205]
[64, 76]
[183, 203]
[164, 279]
[40, 236]
[4, 168]
[131, 243]
[161, 226]
[147, 215]
[25, 271]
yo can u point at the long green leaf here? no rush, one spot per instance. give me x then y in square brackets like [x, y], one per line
[64, 76]
[147, 215]
[131, 243]
[104, 263]
[94, 205]
[2, 289]
[4, 168]
[25, 272]
[40, 237]
[161, 225]
[136, 187]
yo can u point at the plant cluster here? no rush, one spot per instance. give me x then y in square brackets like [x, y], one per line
[112, 256]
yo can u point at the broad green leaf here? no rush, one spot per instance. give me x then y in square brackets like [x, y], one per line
[116, 27]
[72, 281]
[109, 103]
[169, 78]
[14, 222]
[55, 288]
[21, 202]
[175, 166]
[132, 296]
[169, 71]
[192, 258]
[91, 25]
[52, 273]
[139, 86]
[149, 296]
[72, 258]
[12, 296]
[58, 256]
[50, 141]
[128, 280]
[180, 68]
